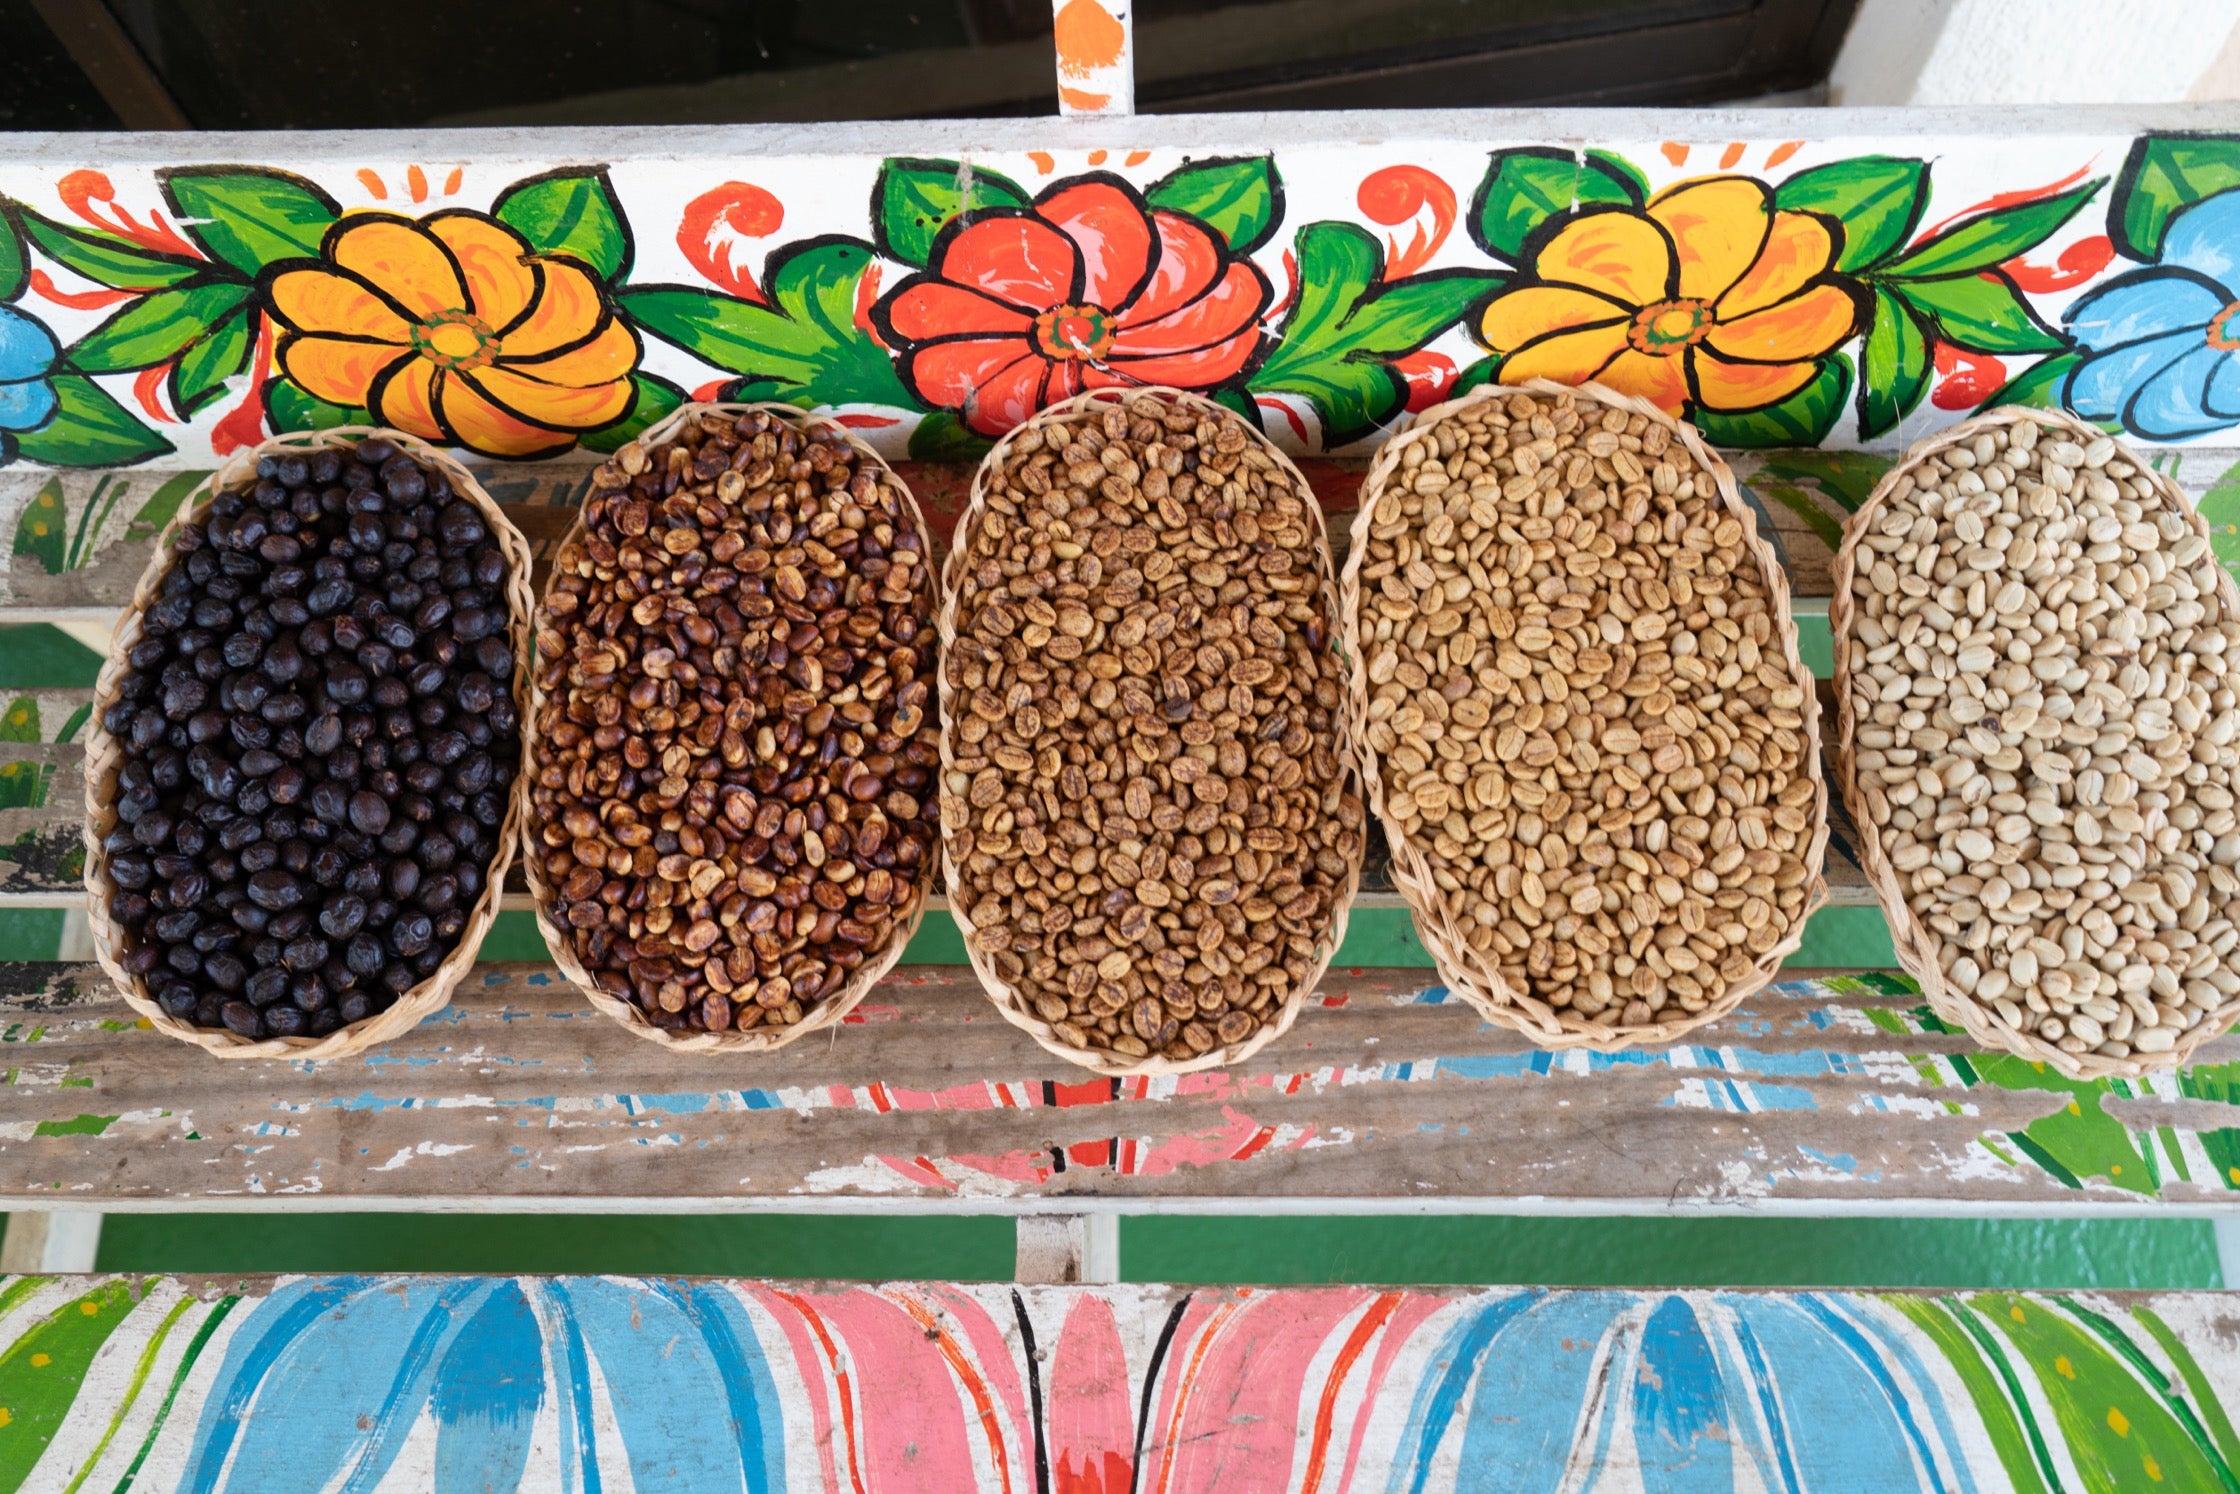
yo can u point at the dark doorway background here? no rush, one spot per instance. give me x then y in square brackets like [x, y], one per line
[326, 64]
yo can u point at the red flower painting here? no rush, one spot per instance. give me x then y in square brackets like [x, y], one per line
[1089, 288]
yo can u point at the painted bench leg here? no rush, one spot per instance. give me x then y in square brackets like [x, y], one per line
[46, 1244]
[1063, 1249]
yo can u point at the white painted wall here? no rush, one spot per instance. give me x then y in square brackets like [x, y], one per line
[2039, 52]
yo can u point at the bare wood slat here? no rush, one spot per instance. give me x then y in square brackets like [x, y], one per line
[1813, 1098]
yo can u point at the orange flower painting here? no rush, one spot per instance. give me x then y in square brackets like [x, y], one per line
[1707, 298]
[452, 328]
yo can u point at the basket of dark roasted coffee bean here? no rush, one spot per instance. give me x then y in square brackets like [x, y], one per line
[732, 742]
[301, 789]
[1151, 835]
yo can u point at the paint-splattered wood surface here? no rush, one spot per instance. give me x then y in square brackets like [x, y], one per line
[581, 1383]
[1817, 1096]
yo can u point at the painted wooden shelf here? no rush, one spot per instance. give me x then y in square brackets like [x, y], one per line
[1828, 1095]
[565, 1382]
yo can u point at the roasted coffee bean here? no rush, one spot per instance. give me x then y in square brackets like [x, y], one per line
[280, 713]
[1145, 799]
[741, 632]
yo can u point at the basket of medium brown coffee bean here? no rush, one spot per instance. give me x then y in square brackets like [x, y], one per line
[301, 786]
[1151, 836]
[2038, 733]
[732, 746]
[1582, 717]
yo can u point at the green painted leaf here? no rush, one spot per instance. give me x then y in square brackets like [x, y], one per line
[251, 218]
[24, 785]
[154, 328]
[1239, 199]
[1878, 199]
[1993, 1409]
[202, 1336]
[1988, 239]
[20, 721]
[1893, 365]
[1524, 188]
[654, 399]
[570, 212]
[77, 719]
[2081, 1139]
[1984, 313]
[1847, 477]
[15, 264]
[914, 200]
[1336, 347]
[43, 528]
[2199, 1388]
[294, 408]
[106, 259]
[942, 437]
[804, 348]
[2163, 176]
[89, 429]
[2118, 1432]
[162, 504]
[38, 1396]
[2040, 386]
[200, 378]
[1802, 503]
[1484, 371]
[1803, 419]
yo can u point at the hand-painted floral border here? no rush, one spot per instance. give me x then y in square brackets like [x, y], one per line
[1784, 297]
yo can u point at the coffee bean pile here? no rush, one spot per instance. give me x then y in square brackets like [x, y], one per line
[1145, 801]
[736, 742]
[320, 735]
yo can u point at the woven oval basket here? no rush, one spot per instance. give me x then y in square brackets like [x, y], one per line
[105, 757]
[1467, 973]
[1007, 998]
[827, 1012]
[1916, 945]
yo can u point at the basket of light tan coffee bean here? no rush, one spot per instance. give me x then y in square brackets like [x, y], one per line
[1151, 834]
[1582, 718]
[2037, 726]
[732, 743]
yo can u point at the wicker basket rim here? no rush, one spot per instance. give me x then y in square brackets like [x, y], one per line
[830, 1011]
[1916, 948]
[1466, 974]
[105, 758]
[1010, 1003]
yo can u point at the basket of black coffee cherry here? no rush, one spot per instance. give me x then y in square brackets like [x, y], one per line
[303, 786]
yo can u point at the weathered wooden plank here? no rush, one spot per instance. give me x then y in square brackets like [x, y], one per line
[421, 1382]
[1818, 1096]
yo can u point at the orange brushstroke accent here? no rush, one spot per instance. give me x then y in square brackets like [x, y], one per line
[1206, 1336]
[451, 182]
[839, 1378]
[1078, 99]
[373, 183]
[1675, 152]
[715, 226]
[2077, 264]
[1396, 194]
[1290, 286]
[1136, 158]
[709, 392]
[416, 181]
[867, 292]
[146, 387]
[865, 422]
[1730, 155]
[1326, 1410]
[86, 193]
[974, 1386]
[1088, 38]
[1096, 158]
[1044, 162]
[1965, 379]
[1782, 152]
[90, 300]
[2004, 200]
[244, 426]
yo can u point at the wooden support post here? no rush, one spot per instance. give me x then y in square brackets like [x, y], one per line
[1068, 1249]
[1096, 56]
[40, 1244]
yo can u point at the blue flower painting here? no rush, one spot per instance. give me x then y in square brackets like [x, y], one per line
[2161, 344]
[27, 354]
